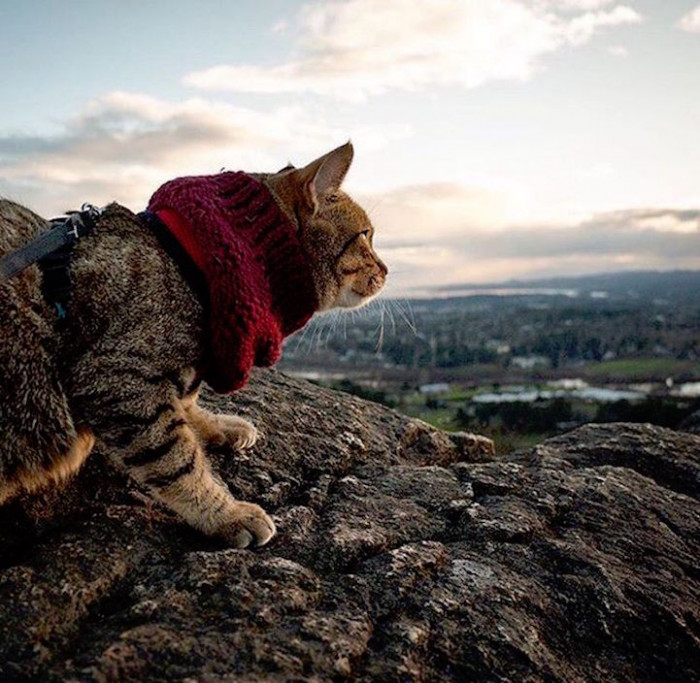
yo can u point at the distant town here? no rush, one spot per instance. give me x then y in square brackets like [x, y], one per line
[520, 361]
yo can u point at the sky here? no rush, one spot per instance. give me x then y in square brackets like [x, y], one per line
[494, 139]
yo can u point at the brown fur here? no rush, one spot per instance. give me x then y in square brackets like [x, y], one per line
[120, 372]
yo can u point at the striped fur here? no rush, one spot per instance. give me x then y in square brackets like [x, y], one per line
[120, 372]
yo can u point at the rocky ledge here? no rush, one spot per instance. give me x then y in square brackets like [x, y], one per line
[404, 553]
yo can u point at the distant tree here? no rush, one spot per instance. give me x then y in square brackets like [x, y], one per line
[375, 395]
[657, 410]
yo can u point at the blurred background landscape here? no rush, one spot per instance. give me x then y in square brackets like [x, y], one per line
[520, 361]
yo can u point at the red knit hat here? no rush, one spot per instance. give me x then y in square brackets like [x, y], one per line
[259, 280]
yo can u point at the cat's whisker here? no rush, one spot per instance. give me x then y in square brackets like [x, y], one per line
[317, 338]
[345, 327]
[380, 340]
[390, 312]
[338, 318]
[325, 331]
[410, 322]
[332, 326]
[298, 339]
[303, 341]
[336, 324]
[312, 336]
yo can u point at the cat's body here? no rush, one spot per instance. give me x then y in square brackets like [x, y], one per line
[121, 369]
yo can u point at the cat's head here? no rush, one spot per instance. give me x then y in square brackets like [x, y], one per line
[334, 231]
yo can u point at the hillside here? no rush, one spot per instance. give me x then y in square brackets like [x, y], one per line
[675, 285]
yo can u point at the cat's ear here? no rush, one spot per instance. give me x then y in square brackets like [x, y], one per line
[289, 167]
[325, 175]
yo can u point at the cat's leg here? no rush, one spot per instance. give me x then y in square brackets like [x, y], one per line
[217, 429]
[148, 434]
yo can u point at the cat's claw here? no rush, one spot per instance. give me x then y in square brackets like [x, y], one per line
[235, 431]
[251, 526]
[240, 433]
[243, 539]
[243, 436]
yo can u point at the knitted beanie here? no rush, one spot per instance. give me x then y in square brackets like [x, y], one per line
[259, 281]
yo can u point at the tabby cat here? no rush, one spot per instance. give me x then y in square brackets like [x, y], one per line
[123, 369]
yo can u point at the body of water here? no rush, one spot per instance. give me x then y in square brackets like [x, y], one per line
[573, 388]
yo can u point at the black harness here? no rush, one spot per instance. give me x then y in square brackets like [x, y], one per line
[52, 252]
[53, 249]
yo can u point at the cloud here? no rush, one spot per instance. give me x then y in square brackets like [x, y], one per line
[581, 29]
[443, 234]
[351, 49]
[142, 130]
[609, 236]
[436, 210]
[124, 145]
[666, 221]
[691, 21]
[574, 5]
[618, 51]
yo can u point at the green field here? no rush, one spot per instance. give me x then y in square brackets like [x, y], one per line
[638, 369]
[441, 418]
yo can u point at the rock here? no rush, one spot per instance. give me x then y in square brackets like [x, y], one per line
[403, 553]
[691, 423]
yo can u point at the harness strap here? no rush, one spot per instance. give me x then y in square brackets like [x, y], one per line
[56, 283]
[52, 252]
[64, 232]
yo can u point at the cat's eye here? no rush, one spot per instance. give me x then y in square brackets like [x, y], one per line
[365, 233]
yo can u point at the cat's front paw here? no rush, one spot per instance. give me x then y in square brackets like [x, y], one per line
[234, 431]
[247, 524]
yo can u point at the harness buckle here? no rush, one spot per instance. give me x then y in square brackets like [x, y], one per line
[74, 231]
[81, 222]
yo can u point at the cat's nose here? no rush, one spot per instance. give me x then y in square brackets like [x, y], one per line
[377, 280]
[375, 283]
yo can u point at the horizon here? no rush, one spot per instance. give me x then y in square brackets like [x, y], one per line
[495, 140]
[534, 285]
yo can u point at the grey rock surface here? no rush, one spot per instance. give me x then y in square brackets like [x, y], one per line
[403, 554]
[691, 423]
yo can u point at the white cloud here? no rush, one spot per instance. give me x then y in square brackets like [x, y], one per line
[618, 51]
[436, 211]
[124, 145]
[691, 21]
[581, 29]
[351, 49]
[659, 220]
[574, 5]
[444, 233]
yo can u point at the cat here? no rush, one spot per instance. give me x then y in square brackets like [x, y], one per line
[123, 369]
